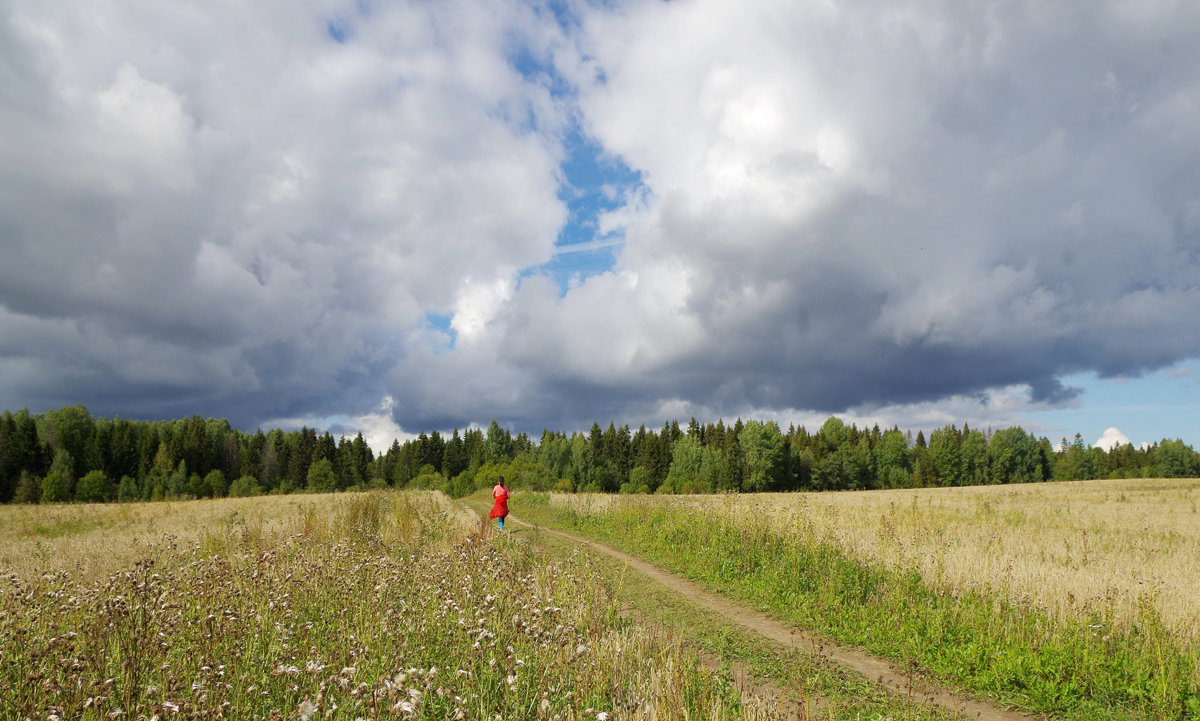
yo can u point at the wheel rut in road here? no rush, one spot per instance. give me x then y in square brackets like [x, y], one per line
[881, 670]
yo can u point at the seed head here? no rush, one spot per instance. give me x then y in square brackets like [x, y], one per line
[307, 709]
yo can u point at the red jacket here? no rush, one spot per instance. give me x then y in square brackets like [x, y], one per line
[500, 510]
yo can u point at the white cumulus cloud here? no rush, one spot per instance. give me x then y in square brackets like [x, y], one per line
[1112, 438]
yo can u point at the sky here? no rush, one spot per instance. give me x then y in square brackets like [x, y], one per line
[391, 217]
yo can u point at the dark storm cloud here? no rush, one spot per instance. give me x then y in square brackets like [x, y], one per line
[836, 206]
[242, 217]
[860, 206]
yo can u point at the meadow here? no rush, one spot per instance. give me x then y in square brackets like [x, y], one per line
[354, 606]
[1075, 600]
[1069, 600]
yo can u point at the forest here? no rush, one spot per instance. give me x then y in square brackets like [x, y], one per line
[69, 455]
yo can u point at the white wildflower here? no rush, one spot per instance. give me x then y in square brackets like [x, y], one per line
[307, 709]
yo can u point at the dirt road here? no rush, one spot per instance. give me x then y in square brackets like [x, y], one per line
[886, 673]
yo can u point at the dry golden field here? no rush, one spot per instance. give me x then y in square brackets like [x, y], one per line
[1069, 548]
[90, 541]
[351, 606]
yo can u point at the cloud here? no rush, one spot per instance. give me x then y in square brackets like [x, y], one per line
[246, 217]
[882, 208]
[866, 208]
[378, 427]
[1112, 438]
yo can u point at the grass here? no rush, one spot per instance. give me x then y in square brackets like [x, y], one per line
[370, 606]
[813, 687]
[980, 636]
[90, 541]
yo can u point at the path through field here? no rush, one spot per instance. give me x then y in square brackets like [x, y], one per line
[886, 673]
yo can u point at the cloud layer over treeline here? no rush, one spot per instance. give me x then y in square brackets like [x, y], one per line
[273, 210]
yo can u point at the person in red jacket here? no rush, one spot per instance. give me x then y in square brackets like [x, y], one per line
[500, 509]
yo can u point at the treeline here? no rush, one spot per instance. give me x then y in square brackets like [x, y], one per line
[66, 454]
[758, 456]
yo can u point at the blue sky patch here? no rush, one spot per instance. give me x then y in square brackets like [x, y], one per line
[1147, 408]
[336, 30]
[441, 322]
[593, 181]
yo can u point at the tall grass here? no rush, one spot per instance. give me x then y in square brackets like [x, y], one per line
[378, 606]
[1088, 667]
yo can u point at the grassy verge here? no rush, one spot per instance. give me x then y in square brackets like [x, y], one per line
[812, 686]
[1083, 669]
[371, 606]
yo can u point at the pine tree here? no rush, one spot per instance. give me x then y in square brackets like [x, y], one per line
[10, 463]
[454, 456]
[64, 466]
[69, 428]
[127, 490]
[29, 488]
[732, 478]
[177, 483]
[498, 447]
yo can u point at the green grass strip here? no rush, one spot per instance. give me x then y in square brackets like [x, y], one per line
[979, 642]
[811, 684]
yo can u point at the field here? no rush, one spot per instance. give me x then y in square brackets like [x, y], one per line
[373, 605]
[1071, 549]
[1076, 600]
[1069, 601]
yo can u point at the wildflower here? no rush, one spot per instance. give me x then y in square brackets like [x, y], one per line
[173, 708]
[602, 716]
[307, 709]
